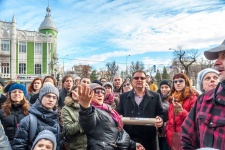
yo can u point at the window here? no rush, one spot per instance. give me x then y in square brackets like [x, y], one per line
[5, 45]
[38, 48]
[5, 68]
[49, 47]
[22, 47]
[37, 68]
[22, 68]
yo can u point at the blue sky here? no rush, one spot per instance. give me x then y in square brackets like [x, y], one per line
[101, 31]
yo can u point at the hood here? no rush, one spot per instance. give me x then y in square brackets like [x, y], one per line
[69, 102]
[43, 114]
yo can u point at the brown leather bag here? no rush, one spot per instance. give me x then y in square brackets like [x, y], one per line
[176, 144]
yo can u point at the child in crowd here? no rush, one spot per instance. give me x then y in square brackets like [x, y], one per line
[45, 140]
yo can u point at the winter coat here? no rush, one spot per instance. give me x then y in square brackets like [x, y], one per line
[179, 118]
[46, 119]
[28, 96]
[62, 95]
[152, 107]
[74, 133]
[11, 122]
[4, 143]
[34, 98]
[100, 128]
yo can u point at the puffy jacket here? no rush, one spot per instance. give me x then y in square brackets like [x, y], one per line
[100, 129]
[11, 122]
[4, 143]
[75, 135]
[46, 120]
[179, 119]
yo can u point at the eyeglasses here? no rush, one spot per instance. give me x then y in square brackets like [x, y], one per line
[176, 81]
[136, 78]
[98, 91]
[50, 96]
[126, 84]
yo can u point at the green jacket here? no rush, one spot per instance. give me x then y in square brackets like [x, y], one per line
[76, 137]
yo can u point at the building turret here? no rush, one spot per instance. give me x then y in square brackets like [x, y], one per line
[48, 26]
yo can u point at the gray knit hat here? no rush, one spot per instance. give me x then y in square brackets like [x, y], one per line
[45, 134]
[48, 87]
[93, 86]
[201, 75]
[108, 84]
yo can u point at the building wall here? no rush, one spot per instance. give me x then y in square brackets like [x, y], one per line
[30, 58]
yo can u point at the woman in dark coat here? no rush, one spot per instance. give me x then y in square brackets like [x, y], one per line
[44, 109]
[100, 122]
[13, 110]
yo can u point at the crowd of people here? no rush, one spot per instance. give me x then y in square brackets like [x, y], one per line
[87, 114]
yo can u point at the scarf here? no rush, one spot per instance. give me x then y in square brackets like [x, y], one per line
[116, 117]
[109, 98]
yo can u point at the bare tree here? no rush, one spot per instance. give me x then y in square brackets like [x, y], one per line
[185, 57]
[112, 70]
[83, 70]
[136, 66]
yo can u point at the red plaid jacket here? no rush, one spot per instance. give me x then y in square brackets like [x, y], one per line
[205, 124]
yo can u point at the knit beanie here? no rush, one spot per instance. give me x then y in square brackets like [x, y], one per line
[93, 86]
[48, 87]
[108, 84]
[97, 81]
[19, 87]
[201, 75]
[166, 82]
[45, 134]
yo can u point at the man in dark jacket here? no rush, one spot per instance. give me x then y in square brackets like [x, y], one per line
[141, 103]
[67, 84]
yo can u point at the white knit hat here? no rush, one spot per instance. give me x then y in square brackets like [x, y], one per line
[46, 134]
[201, 75]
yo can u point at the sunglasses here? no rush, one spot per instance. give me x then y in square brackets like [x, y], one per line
[98, 91]
[136, 78]
[50, 96]
[126, 84]
[176, 81]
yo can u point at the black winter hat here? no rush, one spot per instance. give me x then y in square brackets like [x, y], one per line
[167, 82]
[97, 81]
[6, 89]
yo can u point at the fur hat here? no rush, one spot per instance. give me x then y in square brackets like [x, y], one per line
[46, 134]
[93, 86]
[48, 87]
[18, 86]
[201, 75]
[6, 89]
[166, 82]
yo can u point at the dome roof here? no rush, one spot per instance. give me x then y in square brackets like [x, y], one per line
[48, 23]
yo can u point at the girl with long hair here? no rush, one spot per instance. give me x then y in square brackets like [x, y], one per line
[34, 87]
[14, 109]
[182, 98]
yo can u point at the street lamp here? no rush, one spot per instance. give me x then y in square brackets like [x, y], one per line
[126, 65]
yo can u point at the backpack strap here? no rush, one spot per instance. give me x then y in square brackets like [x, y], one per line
[33, 127]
